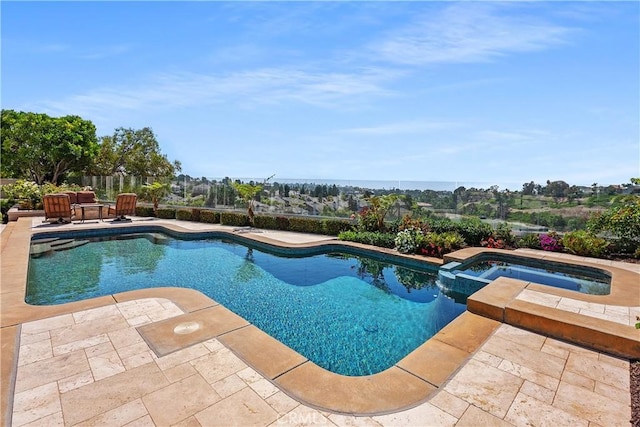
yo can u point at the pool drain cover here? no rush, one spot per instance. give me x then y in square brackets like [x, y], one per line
[186, 328]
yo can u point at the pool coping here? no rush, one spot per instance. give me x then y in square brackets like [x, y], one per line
[407, 384]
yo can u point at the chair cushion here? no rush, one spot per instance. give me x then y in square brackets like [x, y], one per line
[86, 197]
[73, 197]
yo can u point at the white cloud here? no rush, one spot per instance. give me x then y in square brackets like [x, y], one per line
[468, 32]
[406, 127]
[261, 86]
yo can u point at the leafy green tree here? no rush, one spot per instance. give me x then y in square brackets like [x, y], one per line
[45, 148]
[248, 193]
[133, 152]
[623, 221]
[155, 192]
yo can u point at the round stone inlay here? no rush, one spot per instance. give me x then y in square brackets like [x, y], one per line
[186, 328]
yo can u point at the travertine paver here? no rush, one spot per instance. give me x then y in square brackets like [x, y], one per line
[613, 313]
[113, 378]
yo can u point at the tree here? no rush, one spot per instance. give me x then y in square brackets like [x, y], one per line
[133, 152]
[155, 192]
[248, 193]
[45, 148]
[623, 221]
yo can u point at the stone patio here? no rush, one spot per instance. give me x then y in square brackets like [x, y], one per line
[141, 359]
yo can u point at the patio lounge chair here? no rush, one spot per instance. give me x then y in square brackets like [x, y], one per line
[58, 207]
[125, 205]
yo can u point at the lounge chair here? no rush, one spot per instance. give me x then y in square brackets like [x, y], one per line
[125, 205]
[58, 207]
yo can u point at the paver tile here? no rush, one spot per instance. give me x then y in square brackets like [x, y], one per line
[53, 420]
[50, 370]
[610, 392]
[180, 400]
[214, 367]
[489, 388]
[526, 411]
[281, 403]
[476, 417]
[351, 421]
[591, 406]
[538, 392]
[181, 356]
[303, 416]
[95, 313]
[33, 338]
[529, 374]
[33, 404]
[84, 343]
[179, 372]
[145, 421]
[98, 397]
[540, 362]
[189, 422]
[75, 381]
[229, 385]
[425, 414]
[577, 379]
[120, 416]
[245, 408]
[598, 370]
[106, 365]
[34, 352]
[449, 403]
[48, 324]
[86, 330]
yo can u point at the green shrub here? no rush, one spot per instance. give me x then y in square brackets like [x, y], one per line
[384, 240]
[305, 225]
[333, 227]
[472, 230]
[503, 232]
[235, 219]
[265, 221]
[407, 241]
[438, 244]
[166, 213]
[531, 241]
[584, 243]
[184, 214]
[282, 223]
[210, 217]
[144, 211]
[195, 214]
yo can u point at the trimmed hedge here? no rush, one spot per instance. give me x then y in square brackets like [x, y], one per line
[266, 222]
[184, 215]
[384, 240]
[305, 225]
[234, 218]
[195, 214]
[166, 213]
[144, 211]
[334, 227]
[210, 217]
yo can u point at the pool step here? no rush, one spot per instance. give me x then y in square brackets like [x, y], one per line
[70, 245]
[48, 246]
[59, 242]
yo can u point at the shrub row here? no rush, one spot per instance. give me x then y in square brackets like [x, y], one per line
[384, 240]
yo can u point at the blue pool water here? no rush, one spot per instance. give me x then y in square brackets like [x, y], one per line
[476, 273]
[348, 313]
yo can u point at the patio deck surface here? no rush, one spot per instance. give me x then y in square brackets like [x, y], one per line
[174, 357]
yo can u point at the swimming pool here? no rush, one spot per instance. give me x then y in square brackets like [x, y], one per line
[347, 312]
[480, 270]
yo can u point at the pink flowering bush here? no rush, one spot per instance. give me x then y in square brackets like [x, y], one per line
[550, 242]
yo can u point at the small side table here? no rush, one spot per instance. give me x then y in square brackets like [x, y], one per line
[98, 206]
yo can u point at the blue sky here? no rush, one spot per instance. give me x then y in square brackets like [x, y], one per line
[497, 93]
